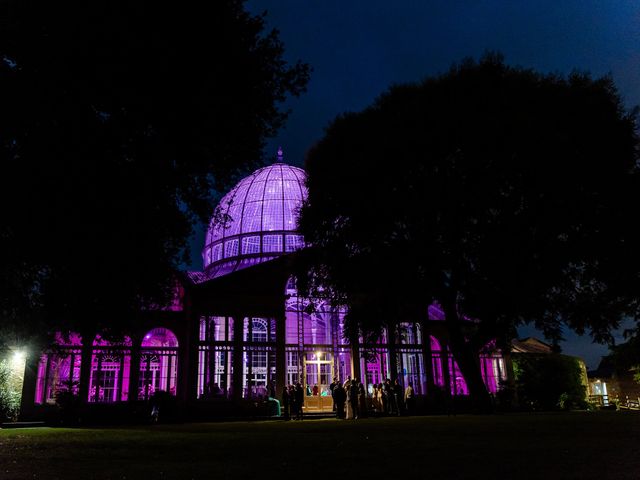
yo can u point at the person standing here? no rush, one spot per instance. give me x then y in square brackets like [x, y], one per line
[299, 394]
[398, 397]
[388, 395]
[409, 399]
[374, 398]
[353, 398]
[349, 404]
[331, 388]
[293, 403]
[286, 403]
[339, 398]
[381, 404]
[362, 401]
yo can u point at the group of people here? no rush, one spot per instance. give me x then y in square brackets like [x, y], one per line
[392, 399]
[350, 399]
[292, 401]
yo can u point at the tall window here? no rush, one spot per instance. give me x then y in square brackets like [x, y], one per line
[158, 363]
[215, 356]
[110, 366]
[59, 369]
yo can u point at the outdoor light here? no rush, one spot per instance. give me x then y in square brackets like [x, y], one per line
[17, 364]
[19, 356]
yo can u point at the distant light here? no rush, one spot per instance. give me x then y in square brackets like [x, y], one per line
[147, 337]
[318, 353]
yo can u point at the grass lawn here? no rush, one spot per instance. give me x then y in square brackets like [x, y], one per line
[541, 446]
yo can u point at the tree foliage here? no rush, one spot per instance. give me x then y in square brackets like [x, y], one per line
[549, 382]
[501, 193]
[118, 121]
[9, 392]
[626, 356]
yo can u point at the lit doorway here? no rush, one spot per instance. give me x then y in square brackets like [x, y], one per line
[318, 369]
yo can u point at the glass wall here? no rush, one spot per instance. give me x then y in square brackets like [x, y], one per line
[59, 368]
[158, 363]
[259, 336]
[110, 366]
[316, 348]
[215, 357]
[314, 329]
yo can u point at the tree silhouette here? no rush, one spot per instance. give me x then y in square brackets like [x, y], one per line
[505, 195]
[118, 121]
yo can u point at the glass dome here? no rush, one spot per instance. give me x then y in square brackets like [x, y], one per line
[256, 221]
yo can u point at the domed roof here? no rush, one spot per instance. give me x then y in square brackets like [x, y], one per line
[256, 221]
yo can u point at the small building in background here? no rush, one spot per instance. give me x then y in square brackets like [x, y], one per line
[609, 385]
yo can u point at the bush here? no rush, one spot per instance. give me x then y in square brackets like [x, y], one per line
[9, 394]
[69, 403]
[549, 382]
[163, 407]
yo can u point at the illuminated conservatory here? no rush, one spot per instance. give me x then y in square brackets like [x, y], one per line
[238, 329]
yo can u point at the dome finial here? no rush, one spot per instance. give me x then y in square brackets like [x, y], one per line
[280, 155]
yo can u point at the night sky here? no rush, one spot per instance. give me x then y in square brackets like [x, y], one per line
[357, 48]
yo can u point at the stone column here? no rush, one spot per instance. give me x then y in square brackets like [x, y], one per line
[238, 366]
[355, 361]
[188, 355]
[281, 356]
[427, 356]
[85, 369]
[134, 369]
[446, 373]
[393, 357]
[29, 384]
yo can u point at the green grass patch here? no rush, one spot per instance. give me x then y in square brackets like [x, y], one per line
[563, 445]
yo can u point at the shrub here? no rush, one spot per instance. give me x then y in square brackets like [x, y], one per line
[9, 394]
[549, 382]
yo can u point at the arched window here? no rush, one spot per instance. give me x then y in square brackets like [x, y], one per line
[110, 366]
[158, 363]
[259, 332]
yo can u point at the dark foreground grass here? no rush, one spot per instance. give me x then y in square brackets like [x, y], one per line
[541, 446]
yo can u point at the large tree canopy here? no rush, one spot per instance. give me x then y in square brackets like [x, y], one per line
[503, 194]
[118, 120]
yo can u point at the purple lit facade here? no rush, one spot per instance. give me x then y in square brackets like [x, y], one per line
[110, 373]
[238, 329]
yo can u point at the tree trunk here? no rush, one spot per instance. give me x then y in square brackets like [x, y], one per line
[467, 360]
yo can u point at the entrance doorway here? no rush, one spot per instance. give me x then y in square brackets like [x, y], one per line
[318, 369]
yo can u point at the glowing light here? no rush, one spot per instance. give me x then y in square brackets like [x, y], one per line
[19, 357]
[17, 365]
